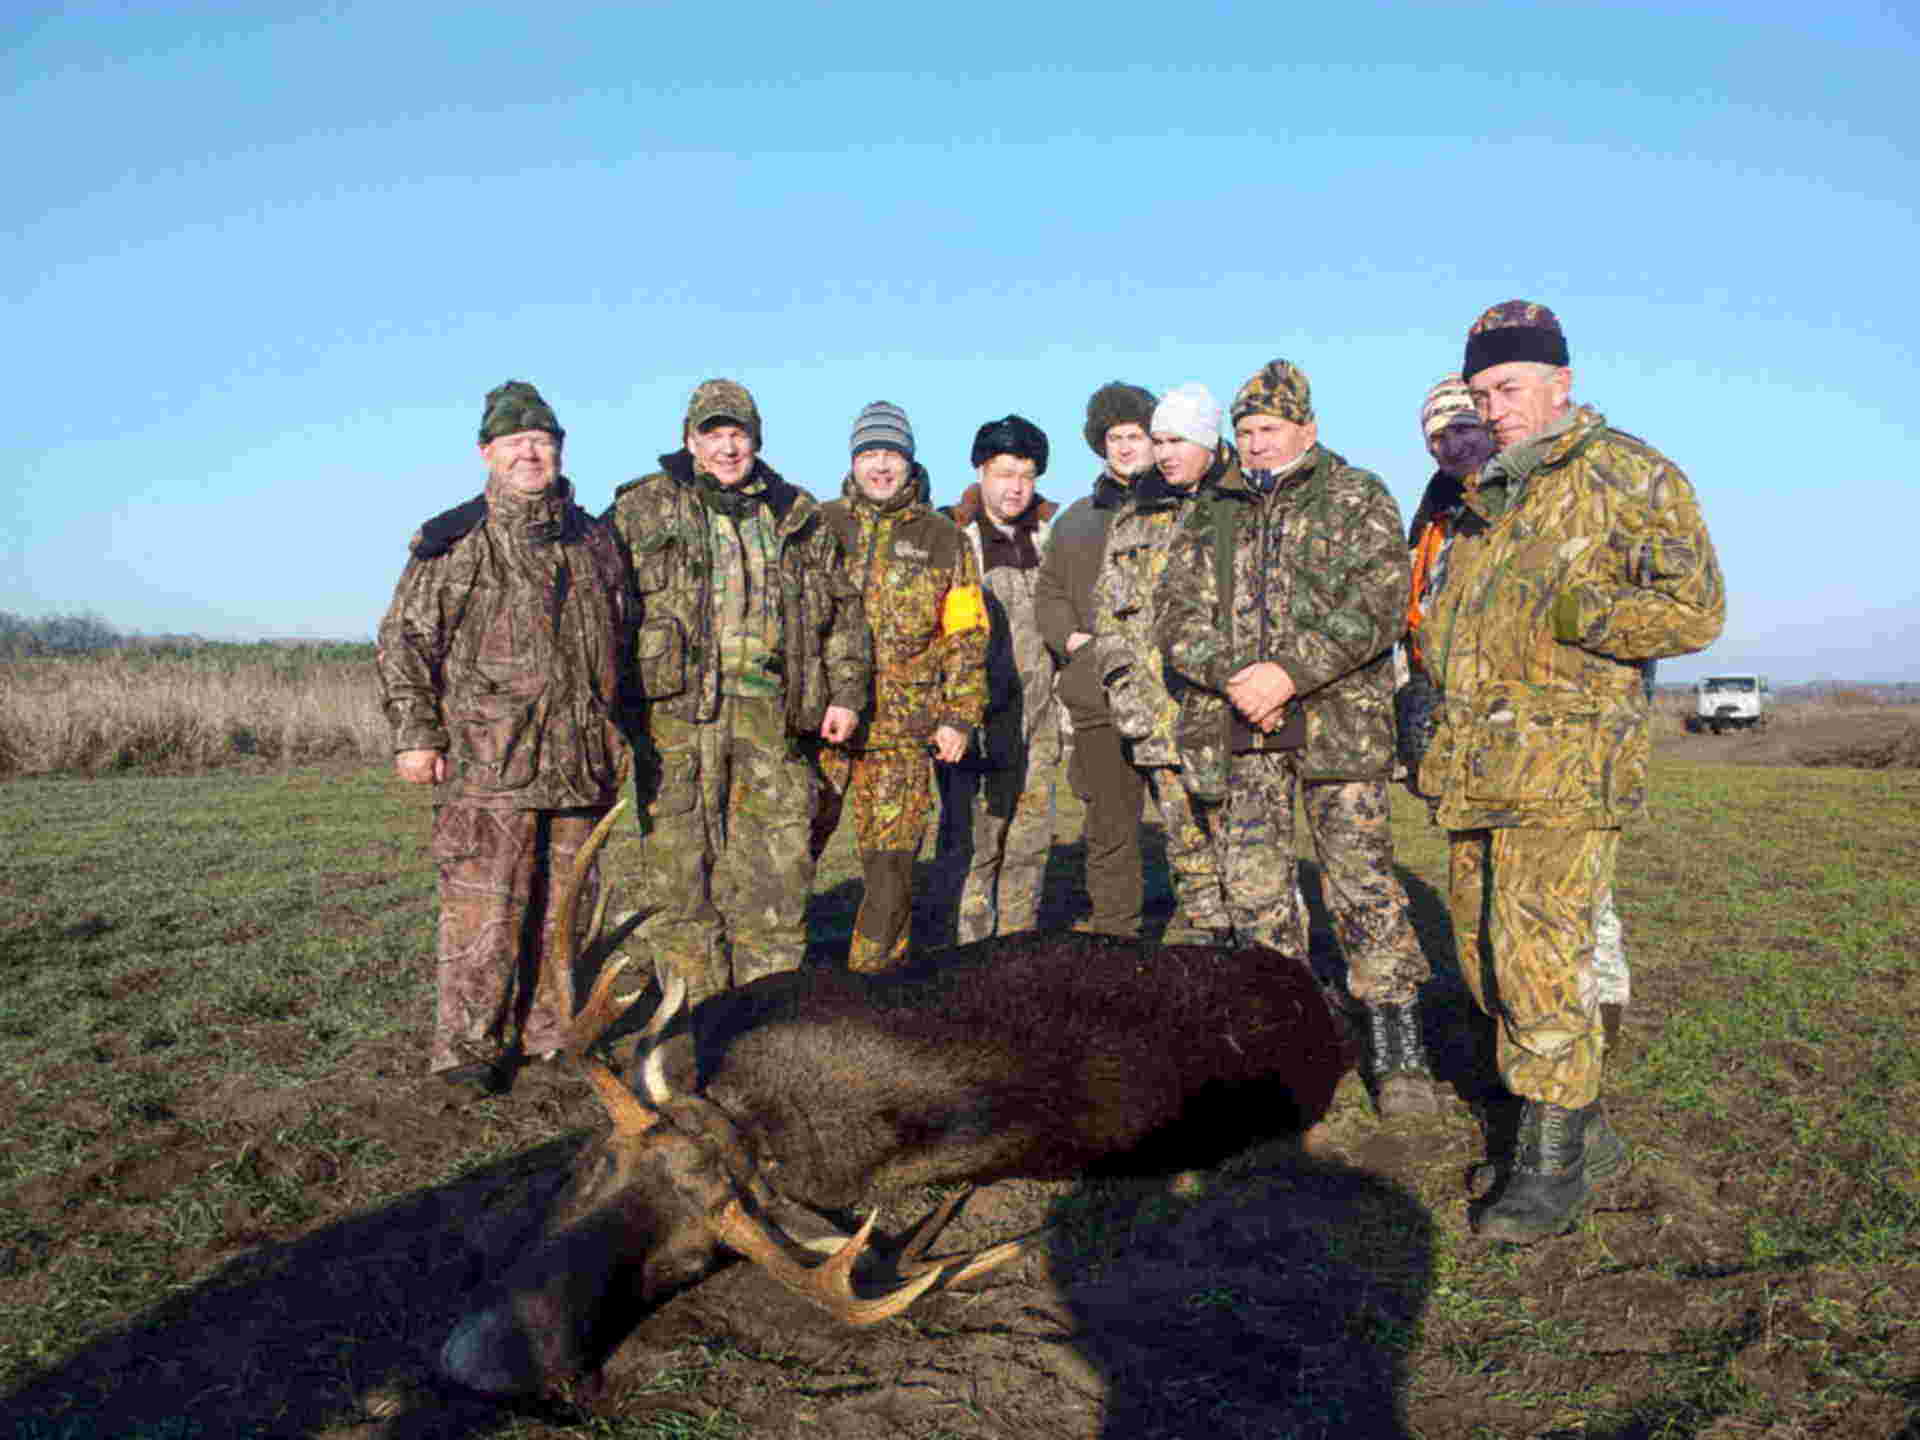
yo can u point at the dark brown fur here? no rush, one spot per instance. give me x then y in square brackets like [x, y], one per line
[1040, 1055]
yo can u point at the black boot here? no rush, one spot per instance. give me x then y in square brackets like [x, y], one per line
[1546, 1187]
[1397, 1059]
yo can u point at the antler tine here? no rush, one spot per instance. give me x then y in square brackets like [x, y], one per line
[653, 1072]
[603, 1007]
[567, 911]
[913, 1259]
[829, 1285]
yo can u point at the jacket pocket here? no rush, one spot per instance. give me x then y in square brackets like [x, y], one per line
[498, 737]
[1534, 748]
[660, 658]
[1201, 735]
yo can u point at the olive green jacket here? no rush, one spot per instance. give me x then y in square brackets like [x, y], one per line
[661, 523]
[1594, 560]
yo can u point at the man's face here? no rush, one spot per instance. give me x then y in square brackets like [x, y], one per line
[1267, 442]
[524, 463]
[1462, 445]
[1183, 463]
[1520, 398]
[1129, 450]
[1006, 487]
[724, 450]
[879, 474]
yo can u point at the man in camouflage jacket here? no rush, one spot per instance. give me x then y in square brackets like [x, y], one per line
[929, 621]
[499, 664]
[997, 823]
[1190, 459]
[752, 649]
[1282, 600]
[1594, 559]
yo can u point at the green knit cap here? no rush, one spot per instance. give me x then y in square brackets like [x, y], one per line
[517, 406]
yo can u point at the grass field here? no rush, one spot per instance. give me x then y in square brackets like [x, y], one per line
[229, 1206]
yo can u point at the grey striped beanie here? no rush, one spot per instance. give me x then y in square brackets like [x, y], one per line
[882, 426]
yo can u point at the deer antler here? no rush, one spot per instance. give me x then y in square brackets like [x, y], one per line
[913, 1261]
[828, 1285]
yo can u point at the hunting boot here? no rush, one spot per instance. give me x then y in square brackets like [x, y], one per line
[1546, 1187]
[1397, 1062]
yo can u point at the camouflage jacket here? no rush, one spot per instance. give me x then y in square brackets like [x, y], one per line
[1023, 713]
[503, 648]
[661, 523]
[1312, 576]
[923, 603]
[1130, 663]
[1594, 560]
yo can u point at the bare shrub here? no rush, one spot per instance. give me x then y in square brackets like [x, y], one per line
[175, 714]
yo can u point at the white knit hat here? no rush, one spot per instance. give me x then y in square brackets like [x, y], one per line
[1191, 412]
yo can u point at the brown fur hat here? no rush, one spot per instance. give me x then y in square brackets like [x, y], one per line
[1116, 403]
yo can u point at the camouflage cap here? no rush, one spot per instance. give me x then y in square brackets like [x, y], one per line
[516, 406]
[724, 400]
[1279, 389]
[1514, 330]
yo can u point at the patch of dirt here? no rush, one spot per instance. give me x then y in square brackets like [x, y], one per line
[1863, 740]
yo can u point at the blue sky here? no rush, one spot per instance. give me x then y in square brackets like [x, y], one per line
[261, 266]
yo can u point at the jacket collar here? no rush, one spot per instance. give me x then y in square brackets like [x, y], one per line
[780, 497]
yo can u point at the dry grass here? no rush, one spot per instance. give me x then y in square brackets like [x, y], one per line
[178, 714]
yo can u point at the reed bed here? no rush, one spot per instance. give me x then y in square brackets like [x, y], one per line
[132, 713]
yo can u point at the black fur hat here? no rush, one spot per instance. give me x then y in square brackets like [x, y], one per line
[1116, 403]
[1015, 435]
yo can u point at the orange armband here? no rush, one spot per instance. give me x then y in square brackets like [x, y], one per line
[965, 610]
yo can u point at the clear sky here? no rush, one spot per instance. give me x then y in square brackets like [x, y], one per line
[261, 266]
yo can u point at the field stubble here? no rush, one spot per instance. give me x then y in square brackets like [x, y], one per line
[229, 1206]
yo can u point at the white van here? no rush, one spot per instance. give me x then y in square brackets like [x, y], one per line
[1730, 702]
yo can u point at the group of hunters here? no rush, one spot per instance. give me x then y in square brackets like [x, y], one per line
[1232, 620]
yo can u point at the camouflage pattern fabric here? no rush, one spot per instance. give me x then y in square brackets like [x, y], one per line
[499, 871]
[505, 650]
[746, 602]
[1280, 389]
[724, 866]
[1318, 576]
[1352, 827]
[890, 793]
[929, 657]
[1611, 975]
[997, 856]
[825, 653]
[1131, 664]
[514, 407]
[1523, 902]
[1252, 834]
[725, 400]
[1199, 900]
[1594, 559]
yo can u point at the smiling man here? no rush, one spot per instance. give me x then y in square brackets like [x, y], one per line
[1278, 612]
[1590, 559]
[752, 649]
[923, 602]
[500, 663]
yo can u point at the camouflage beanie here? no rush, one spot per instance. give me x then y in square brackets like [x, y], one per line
[882, 426]
[1514, 330]
[724, 400]
[1280, 389]
[1116, 403]
[517, 406]
[1015, 435]
[1448, 401]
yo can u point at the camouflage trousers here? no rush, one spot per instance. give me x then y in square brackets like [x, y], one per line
[1111, 790]
[500, 876]
[1199, 899]
[1351, 824]
[996, 831]
[891, 795]
[1524, 903]
[725, 867]
[1611, 976]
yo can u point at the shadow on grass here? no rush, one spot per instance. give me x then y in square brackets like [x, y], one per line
[1280, 1300]
[294, 1338]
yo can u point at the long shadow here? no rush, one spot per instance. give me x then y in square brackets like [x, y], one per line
[1277, 1300]
[319, 1332]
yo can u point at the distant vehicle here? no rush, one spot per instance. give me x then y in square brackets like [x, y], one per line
[1730, 702]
